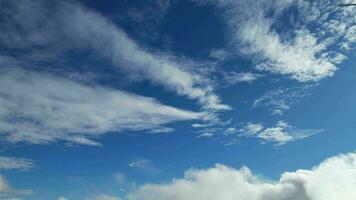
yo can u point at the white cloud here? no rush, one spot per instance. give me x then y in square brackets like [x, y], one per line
[232, 78]
[30, 24]
[332, 179]
[251, 129]
[7, 190]
[105, 197]
[40, 108]
[8, 163]
[280, 134]
[281, 100]
[218, 54]
[307, 50]
[144, 165]
[62, 198]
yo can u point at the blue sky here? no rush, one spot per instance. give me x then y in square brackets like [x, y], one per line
[177, 99]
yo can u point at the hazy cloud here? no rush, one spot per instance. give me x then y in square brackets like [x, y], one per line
[8, 163]
[8, 191]
[280, 100]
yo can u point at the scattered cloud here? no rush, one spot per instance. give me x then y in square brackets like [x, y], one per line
[201, 125]
[144, 165]
[280, 134]
[39, 108]
[32, 24]
[162, 130]
[218, 54]
[9, 163]
[332, 179]
[62, 198]
[232, 78]
[280, 100]
[308, 50]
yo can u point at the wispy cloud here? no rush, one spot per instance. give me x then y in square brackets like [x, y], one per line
[39, 108]
[218, 54]
[32, 24]
[231, 78]
[104, 197]
[144, 165]
[280, 134]
[280, 100]
[307, 51]
[7, 190]
[10, 163]
[332, 179]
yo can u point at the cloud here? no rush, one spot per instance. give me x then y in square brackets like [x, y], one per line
[8, 191]
[62, 198]
[8, 163]
[105, 197]
[39, 108]
[232, 78]
[332, 179]
[144, 165]
[280, 134]
[33, 24]
[281, 99]
[303, 40]
[218, 54]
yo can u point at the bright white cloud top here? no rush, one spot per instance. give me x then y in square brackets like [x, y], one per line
[333, 179]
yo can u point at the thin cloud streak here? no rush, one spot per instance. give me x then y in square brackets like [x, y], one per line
[39, 108]
[72, 26]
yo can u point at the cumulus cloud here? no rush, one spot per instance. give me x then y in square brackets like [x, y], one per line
[317, 37]
[280, 100]
[332, 179]
[29, 25]
[280, 134]
[8, 163]
[39, 108]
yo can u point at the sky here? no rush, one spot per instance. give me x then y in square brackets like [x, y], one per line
[177, 100]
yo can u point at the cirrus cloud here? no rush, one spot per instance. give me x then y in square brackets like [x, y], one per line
[39, 108]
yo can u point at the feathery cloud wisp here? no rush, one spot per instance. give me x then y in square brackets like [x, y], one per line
[40, 108]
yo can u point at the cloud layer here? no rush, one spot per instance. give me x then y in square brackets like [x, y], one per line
[42, 32]
[333, 179]
[40, 108]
